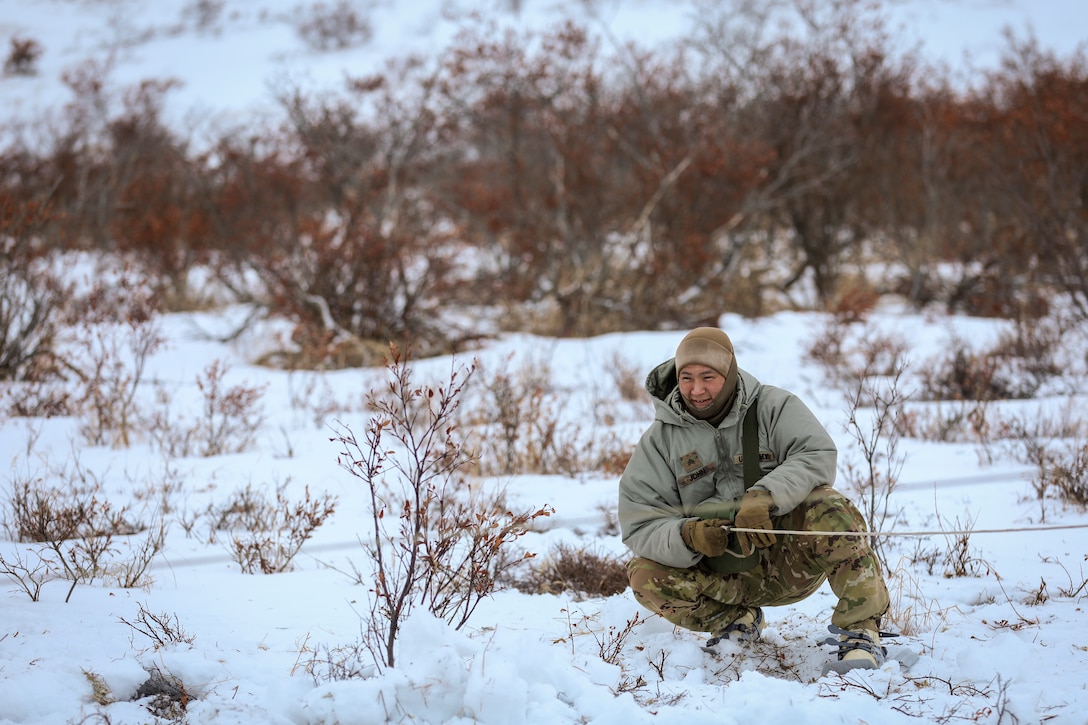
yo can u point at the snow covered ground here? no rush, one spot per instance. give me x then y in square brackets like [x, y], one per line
[1004, 644]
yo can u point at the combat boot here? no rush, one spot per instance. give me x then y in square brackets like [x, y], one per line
[745, 628]
[859, 648]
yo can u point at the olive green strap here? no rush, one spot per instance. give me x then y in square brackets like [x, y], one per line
[750, 447]
[733, 561]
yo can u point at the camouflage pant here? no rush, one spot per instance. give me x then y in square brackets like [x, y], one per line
[788, 571]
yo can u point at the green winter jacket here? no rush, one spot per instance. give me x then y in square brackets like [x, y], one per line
[685, 468]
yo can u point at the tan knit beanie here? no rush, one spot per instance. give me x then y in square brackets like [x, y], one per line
[706, 346]
[711, 347]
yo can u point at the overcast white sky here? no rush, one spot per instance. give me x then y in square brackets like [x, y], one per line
[951, 28]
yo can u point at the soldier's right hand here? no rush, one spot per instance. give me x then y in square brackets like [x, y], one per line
[707, 536]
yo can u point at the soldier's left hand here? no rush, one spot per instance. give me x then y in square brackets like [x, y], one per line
[755, 513]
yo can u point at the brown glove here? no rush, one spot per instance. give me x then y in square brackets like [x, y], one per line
[706, 536]
[755, 513]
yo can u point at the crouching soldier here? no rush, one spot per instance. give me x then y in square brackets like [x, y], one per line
[725, 450]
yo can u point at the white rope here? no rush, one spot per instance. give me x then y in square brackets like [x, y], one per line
[888, 534]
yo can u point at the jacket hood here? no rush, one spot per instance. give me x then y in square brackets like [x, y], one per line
[661, 384]
[662, 380]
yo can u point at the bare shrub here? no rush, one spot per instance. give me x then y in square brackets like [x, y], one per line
[849, 350]
[311, 393]
[428, 545]
[1030, 161]
[870, 365]
[1034, 344]
[517, 425]
[76, 534]
[132, 570]
[32, 293]
[159, 489]
[629, 379]
[29, 576]
[168, 431]
[853, 300]
[521, 419]
[162, 630]
[1013, 368]
[609, 454]
[1067, 475]
[206, 15]
[125, 181]
[1056, 448]
[568, 568]
[38, 400]
[1038, 596]
[229, 421]
[828, 348]
[959, 559]
[627, 399]
[76, 528]
[910, 609]
[988, 290]
[336, 663]
[610, 644]
[346, 234]
[60, 520]
[966, 384]
[230, 418]
[1073, 589]
[114, 332]
[874, 479]
[469, 550]
[924, 556]
[31, 299]
[266, 535]
[333, 27]
[956, 421]
[23, 56]
[610, 516]
[964, 376]
[310, 347]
